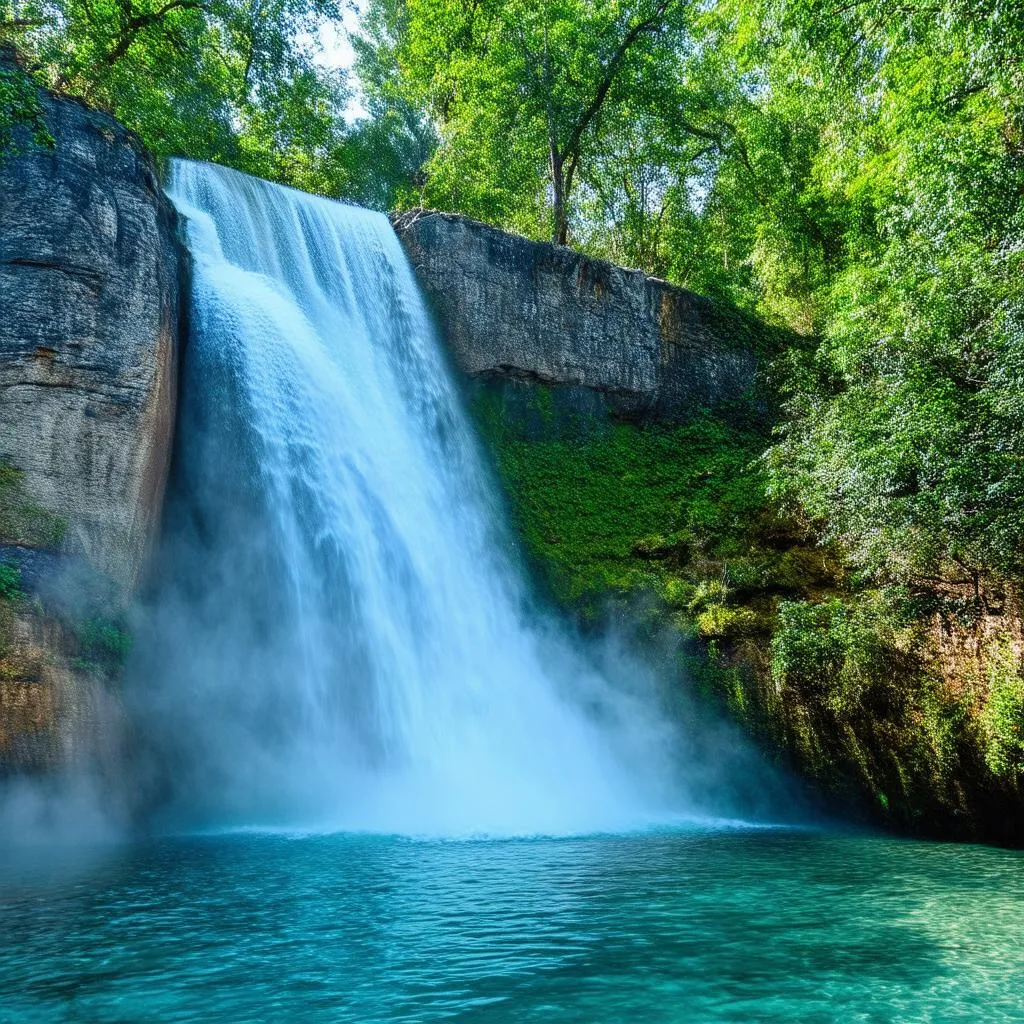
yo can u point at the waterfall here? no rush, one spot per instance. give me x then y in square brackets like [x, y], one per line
[349, 641]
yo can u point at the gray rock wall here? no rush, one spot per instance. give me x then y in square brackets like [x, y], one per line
[90, 266]
[517, 309]
[91, 275]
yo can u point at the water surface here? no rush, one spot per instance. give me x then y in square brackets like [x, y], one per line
[723, 925]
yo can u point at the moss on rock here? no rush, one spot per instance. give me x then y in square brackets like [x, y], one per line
[23, 521]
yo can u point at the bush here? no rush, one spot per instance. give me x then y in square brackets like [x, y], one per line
[678, 592]
[708, 593]
[10, 581]
[1003, 715]
[829, 648]
[102, 644]
[718, 620]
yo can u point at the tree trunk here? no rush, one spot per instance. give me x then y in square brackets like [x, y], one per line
[560, 229]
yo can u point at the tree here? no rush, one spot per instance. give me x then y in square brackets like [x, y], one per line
[905, 441]
[519, 91]
[226, 80]
[391, 144]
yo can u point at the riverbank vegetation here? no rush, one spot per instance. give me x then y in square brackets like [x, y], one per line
[849, 577]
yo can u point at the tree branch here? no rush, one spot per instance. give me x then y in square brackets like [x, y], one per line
[588, 115]
[135, 25]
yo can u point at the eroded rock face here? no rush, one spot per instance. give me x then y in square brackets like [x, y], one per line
[53, 714]
[91, 272]
[515, 309]
[90, 266]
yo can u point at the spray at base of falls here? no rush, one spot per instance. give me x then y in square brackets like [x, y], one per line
[345, 640]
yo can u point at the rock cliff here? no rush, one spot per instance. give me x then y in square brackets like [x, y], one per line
[90, 276]
[89, 280]
[521, 310]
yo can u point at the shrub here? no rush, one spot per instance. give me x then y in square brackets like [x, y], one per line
[102, 644]
[678, 592]
[832, 649]
[10, 581]
[706, 594]
[1003, 715]
[718, 620]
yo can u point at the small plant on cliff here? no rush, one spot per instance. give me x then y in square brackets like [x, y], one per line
[102, 645]
[719, 620]
[10, 581]
[1003, 717]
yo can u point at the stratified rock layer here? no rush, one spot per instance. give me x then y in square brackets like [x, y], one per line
[90, 267]
[515, 309]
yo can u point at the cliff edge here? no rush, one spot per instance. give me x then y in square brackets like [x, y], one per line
[514, 309]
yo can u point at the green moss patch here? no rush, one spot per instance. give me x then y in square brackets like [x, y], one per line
[624, 508]
[23, 521]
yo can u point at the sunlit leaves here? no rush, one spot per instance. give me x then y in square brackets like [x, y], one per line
[527, 94]
[226, 80]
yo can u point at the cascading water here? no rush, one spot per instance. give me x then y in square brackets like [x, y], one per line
[349, 644]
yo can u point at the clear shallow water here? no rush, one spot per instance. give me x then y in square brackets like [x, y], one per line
[727, 925]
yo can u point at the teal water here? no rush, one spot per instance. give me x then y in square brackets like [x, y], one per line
[730, 925]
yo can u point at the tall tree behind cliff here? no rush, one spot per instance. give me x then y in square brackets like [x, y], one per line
[519, 92]
[903, 244]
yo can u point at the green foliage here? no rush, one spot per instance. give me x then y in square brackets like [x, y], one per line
[10, 581]
[20, 108]
[820, 646]
[102, 645]
[1003, 715]
[22, 521]
[523, 91]
[839, 650]
[616, 510]
[238, 82]
[905, 441]
[719, 620]
[224, 80]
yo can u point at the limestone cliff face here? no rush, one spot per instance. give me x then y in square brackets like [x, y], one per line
[90, 280]
[90, 267]
[515, 309]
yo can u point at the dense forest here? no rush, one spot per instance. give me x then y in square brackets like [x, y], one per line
[851, 171]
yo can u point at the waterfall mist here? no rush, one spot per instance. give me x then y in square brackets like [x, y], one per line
[342, 637]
